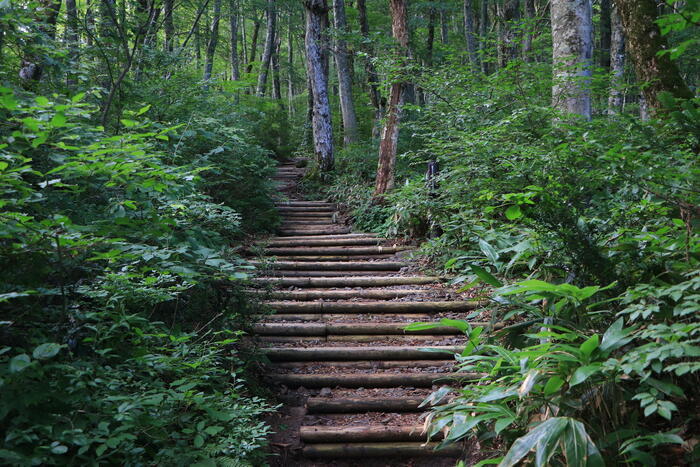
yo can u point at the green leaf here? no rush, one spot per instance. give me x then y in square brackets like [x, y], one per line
[19, 363]
[485, 276]
[58, 120]
[513, 213]
[42, 101]
[488, 251]
[553, 385]
[143, 110]
[541, 436]
[583, 373]
[46, 350]
[198, 441]
[589, 345]
[615, 337]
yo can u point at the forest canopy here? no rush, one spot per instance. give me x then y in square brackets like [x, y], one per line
[541, 153]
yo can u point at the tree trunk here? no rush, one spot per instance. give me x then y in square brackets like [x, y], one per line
[483, 33]
[275, 65]
[233, 56]
[268, 49]
[529, 29]
[431, 37]
[290, 66]
[347, 107]
[572, 51]
[390, 133]
[617, 63]
[213, 40]
[605, 33]
[316, 11]
[508, 13]
[470, 33]
[253, 46]
[72, 39]
[372, 78]
[168, 25]
[644, 42]
[444, 26]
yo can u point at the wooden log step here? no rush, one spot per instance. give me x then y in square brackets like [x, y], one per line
[324, 329]
[353, 339]
[296, 209]
[306, 295]
[339, 318]
[304, 203]
[338, 258]
[305, 214]
[367, 365]
[292, 224]
[333, 265]
[366, 307]
[356, 434]
[406, 450]
[365, 380]
[338, 250]
[347, 235]
[349, 241]
[317, 405]
[323, 231]
[369, 281]
[285, 273]
[284, 354]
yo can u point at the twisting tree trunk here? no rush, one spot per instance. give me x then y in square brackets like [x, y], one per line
[605, 33]
[213, 40]
[233, 55]
[253, 45]
[617, 62]
[168, 25]
[372, 78]
[347, 107]
[572, 51]
[316, 11]
[470, 33]
[271, 14]
[390, 133]
[529, 25]
[644, 42]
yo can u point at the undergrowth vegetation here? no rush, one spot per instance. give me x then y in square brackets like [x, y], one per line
[584, 233]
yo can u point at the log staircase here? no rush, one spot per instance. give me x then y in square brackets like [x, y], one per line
[351, 379]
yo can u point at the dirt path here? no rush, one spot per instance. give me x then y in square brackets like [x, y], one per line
[350, 378]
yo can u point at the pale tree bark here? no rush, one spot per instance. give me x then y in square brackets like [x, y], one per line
[572, 51]
[529, 24]
[470, 33]
[233, 26]
[213, 40]
[290, 65]
[617, 62]
[268, 49]
[444, 26]
[372, 78]
[342, 65]
[316, 13]
[168, 25]
[72, 39]
[644, 41]
[390, 133]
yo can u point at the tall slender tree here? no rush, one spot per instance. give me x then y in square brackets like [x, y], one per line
[529, 26]
[508, 13]
[233, 26]
[342, 65]
[213, 40]
[268, 49]
[617, 62]
[470, 33]
[253, 45]
[372, 78]
[317, 71]
[390, 133]
[605, 25]
[572, 52]
[644, 43]
[168, 25]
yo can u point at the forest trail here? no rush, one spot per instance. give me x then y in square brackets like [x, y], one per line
[350, 377]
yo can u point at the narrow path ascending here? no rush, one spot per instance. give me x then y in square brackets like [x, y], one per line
[352, 379]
